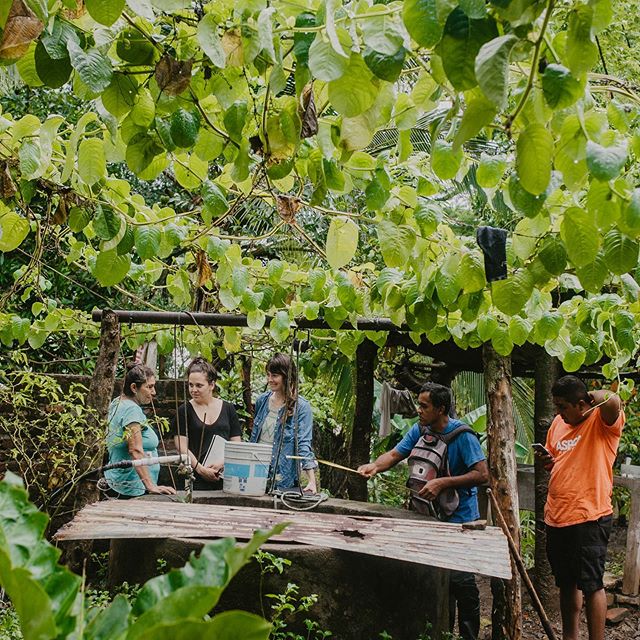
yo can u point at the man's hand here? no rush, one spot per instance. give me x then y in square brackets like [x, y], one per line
[545, 458]
[431, 490]
[210, 474]
[368, 470]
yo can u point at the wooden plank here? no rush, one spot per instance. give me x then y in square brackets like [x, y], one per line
[426, 542]
[631, 579]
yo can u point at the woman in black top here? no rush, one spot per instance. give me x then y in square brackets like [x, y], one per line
[200, 420]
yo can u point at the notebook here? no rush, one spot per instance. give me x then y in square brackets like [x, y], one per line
[215, 453]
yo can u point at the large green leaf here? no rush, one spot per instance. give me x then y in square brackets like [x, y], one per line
[54, 72]
[342, 242]
[141, 151]
[490, 170]
[214, 201]
[147, 241]
[355, 91]
[41, 592]
[510, 295]
[581, 51]
[534, 153]
[396, 242]
[235, 118]
[479, 113]
[553, 255]
[421, 20]
[120, 96]
[105, 12]
[111, 268]
[605, 163]
[445, 160]
[471, 273]
[574, 358]
[593, 275]
[92, 165]
[460, 45]
[385, 67]
[325, 62]
[210, 42]
[492, 68]
[93, 66]
[382, 33]
[13, 229]
[620, 252]
[630, 219]
[559, 87]
[580, 236]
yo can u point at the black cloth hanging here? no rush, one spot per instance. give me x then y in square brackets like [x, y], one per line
[493, 242]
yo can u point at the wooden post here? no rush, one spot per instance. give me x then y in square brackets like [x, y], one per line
[631, 581]
[506, 623]
[360, 449]
[98, 398]
[546, 371]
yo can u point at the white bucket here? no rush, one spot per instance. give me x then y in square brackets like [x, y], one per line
[246, 468]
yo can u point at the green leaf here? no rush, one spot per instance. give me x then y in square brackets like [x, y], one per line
[13, 229]
[92, 165]
[342, 242]
[460, 45]
[184, 127]
[445, 160]
[479, 113]
[471, 273]
[147, 241]
[78, 219]
[141, 151]
[119, 97]
[105, 12]
[523, 201]
[427, 216]
[593, 275]
[548, 326]
[93, 66]
[620, 252]
[501, 341]
[382, 33]
[574, 358]
[111, 268]
[355, 91]
[385, 67]
[534, 153]
[396, 242]
[279, 326]
[53, 72]
[553, 255]
[581, 52]
[132, 46]
[302, 41]
[486, 327]
[519, 330]
[214, 201]
[421, 20]
[559, 87]
[492, 68]
[630, 220]
[209, 40]
[605, 163]
[235, 118]
[490, 170]
[325, 63]
[111, 622]
[580, 236]
[448, 284]
[510, 295]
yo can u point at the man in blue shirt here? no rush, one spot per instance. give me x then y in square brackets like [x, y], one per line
[468, 468]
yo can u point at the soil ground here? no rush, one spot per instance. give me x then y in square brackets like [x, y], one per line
[628, 629]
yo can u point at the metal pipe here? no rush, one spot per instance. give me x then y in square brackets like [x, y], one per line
[182, 318]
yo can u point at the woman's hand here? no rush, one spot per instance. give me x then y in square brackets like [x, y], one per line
[160, 489]
[211, 473]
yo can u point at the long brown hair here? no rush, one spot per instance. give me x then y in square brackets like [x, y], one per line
[282, 364]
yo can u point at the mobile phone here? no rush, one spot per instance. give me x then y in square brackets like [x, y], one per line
[540, 448]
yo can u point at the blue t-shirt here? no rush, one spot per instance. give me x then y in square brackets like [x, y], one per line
[463, 452]
[122, 413]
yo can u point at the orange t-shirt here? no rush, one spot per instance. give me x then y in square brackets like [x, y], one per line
[582, 477]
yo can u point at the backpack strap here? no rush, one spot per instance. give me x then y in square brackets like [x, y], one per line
[449, 437]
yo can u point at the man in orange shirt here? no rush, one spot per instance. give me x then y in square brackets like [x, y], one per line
[582, 442]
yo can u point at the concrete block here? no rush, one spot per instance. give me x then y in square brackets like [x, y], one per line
[616, 615]
[634, 601]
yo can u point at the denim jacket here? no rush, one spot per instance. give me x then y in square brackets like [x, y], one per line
[286, 474]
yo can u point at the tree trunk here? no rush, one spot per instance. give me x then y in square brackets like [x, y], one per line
[98, 398]
[546, 373]
[245, 374]
[507, 605]
[360, 449]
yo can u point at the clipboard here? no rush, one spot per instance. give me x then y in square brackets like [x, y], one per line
[215, 453]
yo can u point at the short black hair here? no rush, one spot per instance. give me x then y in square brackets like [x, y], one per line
[571, 389]
[439, 395]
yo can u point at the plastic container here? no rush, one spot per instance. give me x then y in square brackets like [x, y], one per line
[246, 468]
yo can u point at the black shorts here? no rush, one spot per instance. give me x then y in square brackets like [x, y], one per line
[577, 553]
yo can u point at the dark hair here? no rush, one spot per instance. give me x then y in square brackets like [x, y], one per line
[200, 365]
[136, 374]
[283, 365]
[571, 389]
[439, 395]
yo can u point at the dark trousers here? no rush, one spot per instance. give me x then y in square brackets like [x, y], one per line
[463, 593]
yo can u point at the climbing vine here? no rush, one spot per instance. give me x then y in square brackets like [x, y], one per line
[366, 119]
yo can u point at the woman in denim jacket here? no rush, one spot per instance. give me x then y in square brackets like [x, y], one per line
[282, 405]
